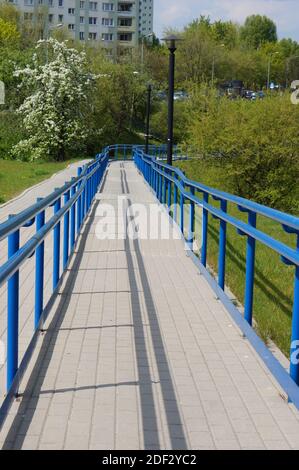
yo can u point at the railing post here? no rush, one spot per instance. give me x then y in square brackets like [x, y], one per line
[13, 312]
[79, 171]
[164, 188]
[66, 231]
[191, 221]
[222, 247]
[205, 221]
[56, 247]
[249, 281]
[169, 193]
[175, 200]
[39, 271]
[182, 200]
[73, 219]
[294, 363]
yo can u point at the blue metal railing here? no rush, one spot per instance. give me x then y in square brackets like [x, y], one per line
[125, 151]
[71, 204]
[170, 181]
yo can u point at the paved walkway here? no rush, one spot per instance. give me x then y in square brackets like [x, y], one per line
[138, 353]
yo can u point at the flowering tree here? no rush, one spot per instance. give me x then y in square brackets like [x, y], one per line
[53, 112]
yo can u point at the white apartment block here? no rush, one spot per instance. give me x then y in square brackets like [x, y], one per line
[116, 23]
[146, 17]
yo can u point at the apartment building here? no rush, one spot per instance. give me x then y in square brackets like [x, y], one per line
[116, 23]
[146, 17]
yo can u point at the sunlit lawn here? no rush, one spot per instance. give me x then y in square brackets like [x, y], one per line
[16, 176]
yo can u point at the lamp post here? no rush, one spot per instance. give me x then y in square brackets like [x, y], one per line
[148, 113]
[269, 69]
[171, 43]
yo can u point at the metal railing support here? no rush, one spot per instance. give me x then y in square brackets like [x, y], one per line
[13, 312]
[39, 272]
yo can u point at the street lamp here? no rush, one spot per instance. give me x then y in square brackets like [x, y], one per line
[171, 43]
[148, 113]
[269, 69]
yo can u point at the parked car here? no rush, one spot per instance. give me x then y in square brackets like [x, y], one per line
[161, 95]
[260, 95]
[249, 95]
[180, 95]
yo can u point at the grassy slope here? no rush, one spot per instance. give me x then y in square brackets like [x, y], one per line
[16, 176]
[273, 280]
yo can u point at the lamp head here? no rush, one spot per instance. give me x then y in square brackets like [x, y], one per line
[171, 41]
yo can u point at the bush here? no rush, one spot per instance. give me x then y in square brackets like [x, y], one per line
[10, 133]
[257, 143]
[159, 122]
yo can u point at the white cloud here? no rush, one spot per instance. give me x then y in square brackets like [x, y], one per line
[177, 13]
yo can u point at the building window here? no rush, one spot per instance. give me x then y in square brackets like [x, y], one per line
[125, 21]
[81, 36]
[108, 6]
[92, 36]
[125, 7]
[92, 20]
[28, 16]
[71, 11]
[71, 27]
[107, 21]
[81, 19]
[51, 18]
[60, 18]
[125, 37]
[107, 36]
[82, 5]
[60, 3]
[93, 6]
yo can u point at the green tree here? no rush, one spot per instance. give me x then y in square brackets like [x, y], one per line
[9, 35]
[54, 110]
[258, 30]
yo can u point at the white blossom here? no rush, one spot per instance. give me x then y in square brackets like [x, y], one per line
[52, 112]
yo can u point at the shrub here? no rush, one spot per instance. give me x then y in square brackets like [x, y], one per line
[257, 143]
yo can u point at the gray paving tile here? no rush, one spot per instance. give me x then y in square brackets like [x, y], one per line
[138, 353]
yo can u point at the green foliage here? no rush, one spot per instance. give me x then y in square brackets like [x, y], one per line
[9, 35]
[159, 122]
[10, 133]
[258, 30]
[257, 143]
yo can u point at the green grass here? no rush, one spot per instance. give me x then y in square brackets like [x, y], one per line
[16, 176]
[273, 294]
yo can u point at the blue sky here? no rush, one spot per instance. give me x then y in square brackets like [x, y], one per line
[177, 13]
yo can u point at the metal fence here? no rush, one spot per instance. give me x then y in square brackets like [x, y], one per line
[71, 204]
[173, 188]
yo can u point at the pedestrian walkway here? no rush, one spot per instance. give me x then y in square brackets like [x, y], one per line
[138, 353]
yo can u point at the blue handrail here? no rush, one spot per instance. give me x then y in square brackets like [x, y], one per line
[162, 178]
[78, 195]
